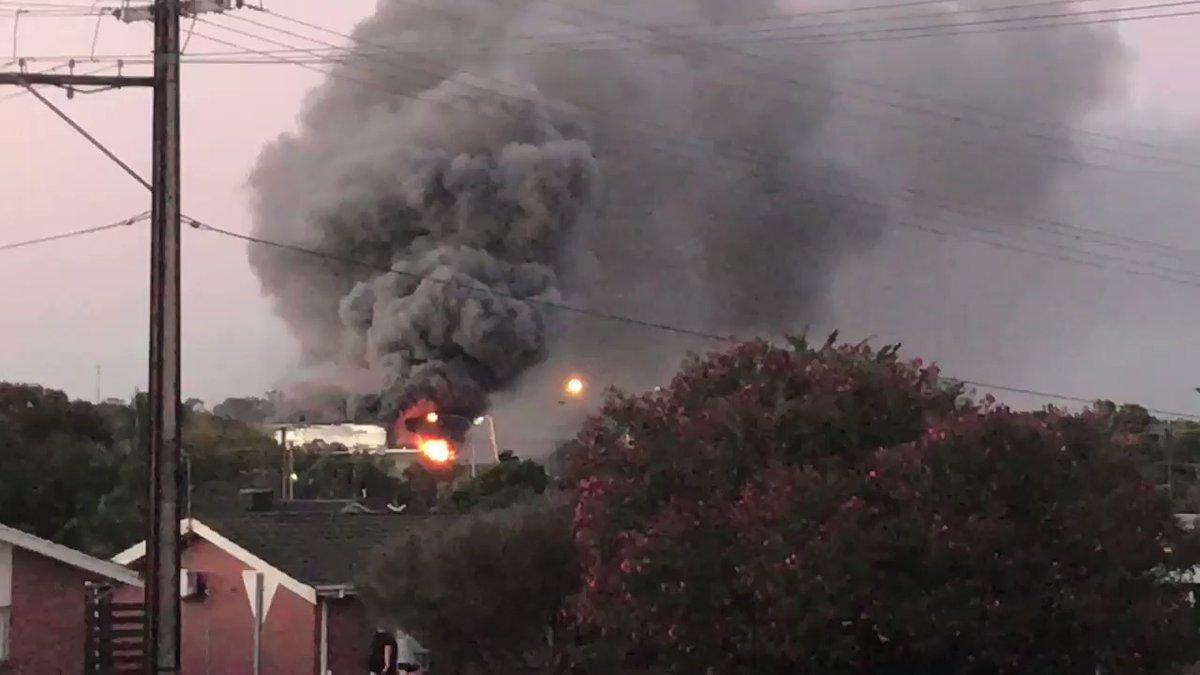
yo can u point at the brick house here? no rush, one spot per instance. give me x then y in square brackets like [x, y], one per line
[42, 596]
[314, 622]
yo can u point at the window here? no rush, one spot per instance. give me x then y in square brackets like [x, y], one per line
[5, 613]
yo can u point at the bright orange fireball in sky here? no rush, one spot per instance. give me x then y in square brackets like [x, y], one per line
[436, 450]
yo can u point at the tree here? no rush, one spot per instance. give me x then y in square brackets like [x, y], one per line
[837, 510]
[227, 455]
[328, 471]
[55, 462]
[510, 482]
[75, 473]
[480, 590]
[248, 409]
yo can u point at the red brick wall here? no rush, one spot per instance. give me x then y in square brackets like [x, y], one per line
[349, 636]
[218, 630]
[291, 636]
[47, 630]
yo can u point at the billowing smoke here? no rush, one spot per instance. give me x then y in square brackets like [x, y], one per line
[460, 229]
[501, 152]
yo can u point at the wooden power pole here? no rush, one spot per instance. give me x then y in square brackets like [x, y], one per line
[162, 630]
[162, 538]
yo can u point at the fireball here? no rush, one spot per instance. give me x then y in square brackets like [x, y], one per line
[436, 450]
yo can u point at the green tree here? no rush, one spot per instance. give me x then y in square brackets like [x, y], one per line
[246, 409]
[837, 510]
[327, 471]
[75, 473]
[227, 455]
[510, 482]
[56, 461]
[480, 591]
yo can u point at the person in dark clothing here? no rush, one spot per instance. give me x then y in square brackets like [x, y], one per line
[384, 650]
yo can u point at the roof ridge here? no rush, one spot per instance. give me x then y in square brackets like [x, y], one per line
[67, 555]
[330, 514]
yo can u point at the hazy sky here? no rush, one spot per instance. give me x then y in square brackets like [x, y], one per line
[986, 314]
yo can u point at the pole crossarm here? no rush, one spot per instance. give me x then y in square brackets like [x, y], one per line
[59, 80]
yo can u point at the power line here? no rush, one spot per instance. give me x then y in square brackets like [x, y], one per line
[589, 312]
[942, 116]
[884, 35]
[469, 287]
[659, 27]
[775, 22]
[91, 139]
[461, 284]
[658, 127]
[76, 233]
[820, 12]
[781, 22]
[768, 33]
[949, 117]
[577, 310]
[955, 118]
[1089, 258]
[786, 75]
[1052, 227]
[299, 249]
[20, 4]
[1166, 274]
[853, 198]
[1061, 397]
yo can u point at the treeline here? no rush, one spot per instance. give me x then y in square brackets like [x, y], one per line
[74, 472]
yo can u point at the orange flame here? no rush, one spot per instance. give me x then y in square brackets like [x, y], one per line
[436, 450]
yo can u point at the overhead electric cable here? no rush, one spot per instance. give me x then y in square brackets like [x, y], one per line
[461, 284]
[76, 233]
[1043, 225]
[1062, 397]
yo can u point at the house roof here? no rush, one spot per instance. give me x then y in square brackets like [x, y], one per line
[317, 506]
[319, 549]
[303, 552]
[68, 556]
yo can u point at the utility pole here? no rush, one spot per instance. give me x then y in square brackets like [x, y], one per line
[162, 629]
[287, 469]
[1169, 447]
[291, 473]
[162, 541]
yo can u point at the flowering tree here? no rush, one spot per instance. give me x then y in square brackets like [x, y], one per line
[838, 510]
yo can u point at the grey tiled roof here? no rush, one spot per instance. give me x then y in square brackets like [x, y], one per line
[321, 549]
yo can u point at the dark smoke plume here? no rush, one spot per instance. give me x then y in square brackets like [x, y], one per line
[642, 172]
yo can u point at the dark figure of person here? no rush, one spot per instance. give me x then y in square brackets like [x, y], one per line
[384, 649]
